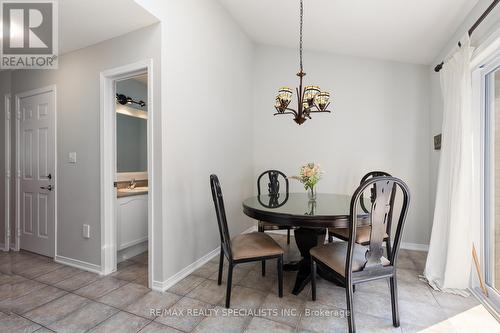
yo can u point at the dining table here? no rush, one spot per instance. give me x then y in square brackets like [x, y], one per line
[310, 218]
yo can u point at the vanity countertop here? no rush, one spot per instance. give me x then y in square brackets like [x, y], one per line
[127, 192]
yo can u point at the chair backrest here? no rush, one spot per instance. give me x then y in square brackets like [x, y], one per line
[369, 175]
[220, 211]
[381, 211]
[273, 186]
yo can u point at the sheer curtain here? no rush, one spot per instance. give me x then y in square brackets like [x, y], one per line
[448, 263]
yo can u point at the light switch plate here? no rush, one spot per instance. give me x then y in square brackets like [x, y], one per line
[86, 231]
[72, 158]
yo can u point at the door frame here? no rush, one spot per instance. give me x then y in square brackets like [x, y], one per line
[7, 106]
[484, 104]
[17, 156]
[108, 163]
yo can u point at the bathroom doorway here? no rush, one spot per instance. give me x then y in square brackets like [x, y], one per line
[127, 173]
[132, 178]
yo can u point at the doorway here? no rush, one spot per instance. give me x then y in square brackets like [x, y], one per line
[491, 225]
[132, 176]
[36, 197]
[127, 175]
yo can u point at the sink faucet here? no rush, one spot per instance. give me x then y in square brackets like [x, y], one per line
[132, 184]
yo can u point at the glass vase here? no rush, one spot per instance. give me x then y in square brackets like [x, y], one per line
[311, 193]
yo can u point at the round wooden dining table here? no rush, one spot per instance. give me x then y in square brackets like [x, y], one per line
[310, 218]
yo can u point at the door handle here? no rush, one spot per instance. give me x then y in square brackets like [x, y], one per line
[48, 188]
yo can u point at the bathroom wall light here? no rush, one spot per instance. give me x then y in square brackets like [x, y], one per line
[123, 100]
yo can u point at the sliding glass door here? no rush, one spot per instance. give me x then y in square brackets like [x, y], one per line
[491, 235]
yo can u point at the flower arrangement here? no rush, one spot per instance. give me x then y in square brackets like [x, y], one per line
[309, 175]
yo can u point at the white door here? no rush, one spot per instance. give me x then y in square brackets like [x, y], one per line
[37, 170]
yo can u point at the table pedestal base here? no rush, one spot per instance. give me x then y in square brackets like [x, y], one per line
[306, 239]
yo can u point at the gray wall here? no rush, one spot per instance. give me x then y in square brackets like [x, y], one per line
[131, 143]
[207, 128]
[379, 121]
[78, 94]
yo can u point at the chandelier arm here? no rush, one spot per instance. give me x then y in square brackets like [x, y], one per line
[324, 111]
[290, 112]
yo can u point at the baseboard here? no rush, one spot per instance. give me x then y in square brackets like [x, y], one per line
[131, 251]
[83, 265]
[415, 246]
[132, 243]
[404, 245]
[174, 279]
[249, 230]
[171, 281]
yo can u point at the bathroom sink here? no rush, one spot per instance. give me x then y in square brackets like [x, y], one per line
[136, 189]
[132, 191]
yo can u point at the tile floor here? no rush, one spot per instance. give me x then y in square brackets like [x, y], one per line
[38, 295]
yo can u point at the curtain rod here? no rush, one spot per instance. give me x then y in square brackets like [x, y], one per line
[474, 26]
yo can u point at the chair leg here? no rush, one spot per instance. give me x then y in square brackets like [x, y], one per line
[288, 236]
[221, 265]
[280, 276]
[313, 279]
[394, 301]
[263, 268]
[229, 282]
[350, 308]
[388, 247]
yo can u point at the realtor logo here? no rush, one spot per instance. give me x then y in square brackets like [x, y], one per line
[29, 34]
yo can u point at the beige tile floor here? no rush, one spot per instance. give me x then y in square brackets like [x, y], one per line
[38, 295]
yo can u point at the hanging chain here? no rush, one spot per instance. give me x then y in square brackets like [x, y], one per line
[301, 27]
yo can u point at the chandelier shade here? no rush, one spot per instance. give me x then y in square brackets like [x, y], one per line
[322, 100]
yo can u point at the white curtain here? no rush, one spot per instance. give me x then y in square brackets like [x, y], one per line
[448, 264]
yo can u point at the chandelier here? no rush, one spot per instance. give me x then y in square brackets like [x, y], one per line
[310, 98]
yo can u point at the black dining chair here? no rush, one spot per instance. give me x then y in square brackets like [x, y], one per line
[352, 263]
[255, 246]
[273, 189]
[363, 233]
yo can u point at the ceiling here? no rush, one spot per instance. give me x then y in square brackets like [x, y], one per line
[87, 22]
[413, 31]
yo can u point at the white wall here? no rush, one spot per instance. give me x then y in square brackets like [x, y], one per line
[78, 110]
[207, 128]
[380, 121]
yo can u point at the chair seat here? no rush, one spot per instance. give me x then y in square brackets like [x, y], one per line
[254, 245]
[334, 256]
[362, 234]
[272, 226]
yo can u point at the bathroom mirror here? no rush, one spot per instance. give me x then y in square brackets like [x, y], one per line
[131, 125]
